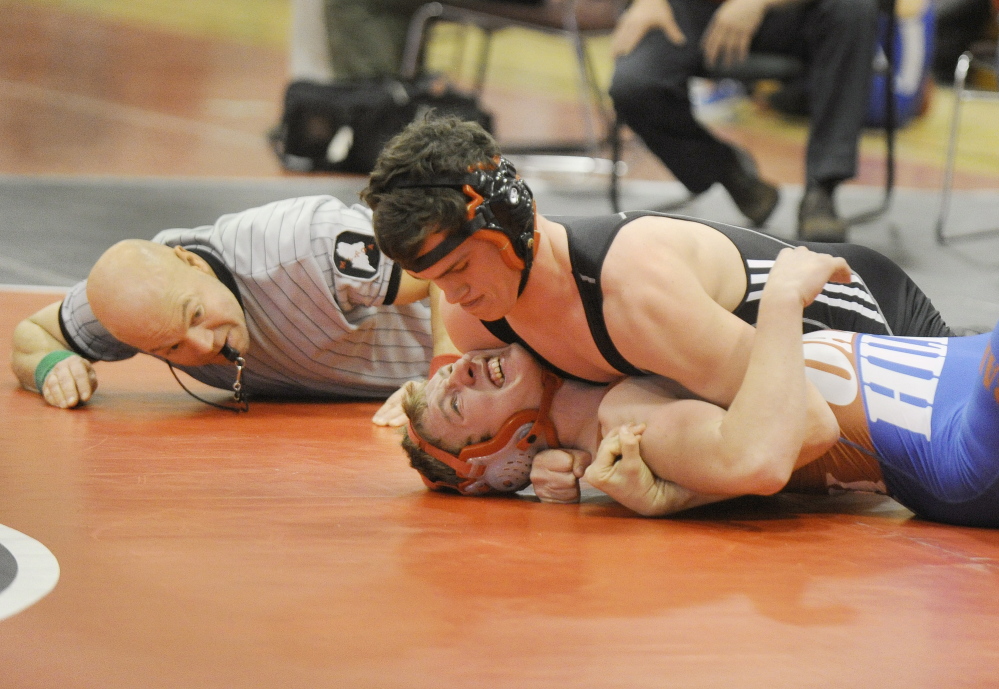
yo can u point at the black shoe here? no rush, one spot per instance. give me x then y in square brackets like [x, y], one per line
[817, 219]
[754, 197]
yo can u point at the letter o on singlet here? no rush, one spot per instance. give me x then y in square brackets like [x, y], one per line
[831, 371]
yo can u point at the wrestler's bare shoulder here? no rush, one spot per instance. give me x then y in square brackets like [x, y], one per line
[649, 234]
[654, 250]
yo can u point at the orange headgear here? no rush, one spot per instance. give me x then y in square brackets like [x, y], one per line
[502, 463]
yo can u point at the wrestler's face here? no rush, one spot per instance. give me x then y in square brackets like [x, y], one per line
[185, 319]
[475, 277]
[471, 399]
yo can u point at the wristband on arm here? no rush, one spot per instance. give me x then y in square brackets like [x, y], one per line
[48, 362]
[441, 360]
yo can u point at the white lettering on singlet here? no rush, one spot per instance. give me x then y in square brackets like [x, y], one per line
[900, 379]
[828, 366]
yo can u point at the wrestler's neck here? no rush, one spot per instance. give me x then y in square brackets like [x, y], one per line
[547, 283]
[574, 414]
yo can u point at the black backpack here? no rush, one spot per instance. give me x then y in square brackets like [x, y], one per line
[342, 127]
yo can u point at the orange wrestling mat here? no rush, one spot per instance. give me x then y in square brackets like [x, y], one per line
[292, 547]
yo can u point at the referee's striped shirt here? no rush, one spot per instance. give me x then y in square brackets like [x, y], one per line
[317, 296]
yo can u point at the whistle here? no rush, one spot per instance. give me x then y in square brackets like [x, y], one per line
[229, 353]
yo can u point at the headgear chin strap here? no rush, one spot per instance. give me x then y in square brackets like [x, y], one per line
[490, 188]
[502, 463]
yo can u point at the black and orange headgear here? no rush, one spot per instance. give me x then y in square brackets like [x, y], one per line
[500, 210]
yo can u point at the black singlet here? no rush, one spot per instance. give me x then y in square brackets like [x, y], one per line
[856, 307]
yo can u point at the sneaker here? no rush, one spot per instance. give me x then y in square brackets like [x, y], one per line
[755, 198]
[817, 219]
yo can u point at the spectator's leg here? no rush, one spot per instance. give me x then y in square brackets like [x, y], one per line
[649, 90]
[367, 37]
[841, 35]
[836, 38]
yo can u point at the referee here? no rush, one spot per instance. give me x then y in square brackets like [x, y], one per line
[297, 287]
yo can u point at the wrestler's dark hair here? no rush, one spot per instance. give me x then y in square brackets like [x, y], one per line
[435, 470]
[428, 148]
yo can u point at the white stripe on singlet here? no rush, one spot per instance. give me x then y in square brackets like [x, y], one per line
[847, 297]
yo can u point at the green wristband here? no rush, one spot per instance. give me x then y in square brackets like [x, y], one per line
[48, 362]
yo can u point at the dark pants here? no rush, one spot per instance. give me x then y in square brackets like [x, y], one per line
[836, 40]
[367, 37]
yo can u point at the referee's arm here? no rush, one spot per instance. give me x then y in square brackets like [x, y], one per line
[413, 289]
[67, 383]
[391, 413]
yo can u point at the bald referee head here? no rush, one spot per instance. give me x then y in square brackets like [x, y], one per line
[174, 305]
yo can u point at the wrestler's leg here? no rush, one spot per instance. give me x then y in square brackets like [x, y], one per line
[978, 430]
[953, 476]
[908, 310]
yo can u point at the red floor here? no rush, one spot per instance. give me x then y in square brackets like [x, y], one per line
[292, 547]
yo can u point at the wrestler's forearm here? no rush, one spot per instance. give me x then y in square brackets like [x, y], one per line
[438, 329]
[776, 413]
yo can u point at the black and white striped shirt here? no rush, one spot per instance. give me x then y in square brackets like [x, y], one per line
[317, 296]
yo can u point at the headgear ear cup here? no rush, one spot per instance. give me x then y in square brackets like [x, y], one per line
[502, 463]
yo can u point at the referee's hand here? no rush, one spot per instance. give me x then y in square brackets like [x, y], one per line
[391, 413]
[71, 382]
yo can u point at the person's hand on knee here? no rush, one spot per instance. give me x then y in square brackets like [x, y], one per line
[639, 19]
[726, 40]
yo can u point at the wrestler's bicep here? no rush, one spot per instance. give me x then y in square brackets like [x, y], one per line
[664, 322]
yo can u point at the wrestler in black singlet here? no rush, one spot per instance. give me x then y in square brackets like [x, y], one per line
[883, 301]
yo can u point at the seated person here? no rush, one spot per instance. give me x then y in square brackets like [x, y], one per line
[661, 44]
[297, 288]
[916, 418]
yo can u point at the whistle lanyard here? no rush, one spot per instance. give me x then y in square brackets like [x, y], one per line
[241, 403]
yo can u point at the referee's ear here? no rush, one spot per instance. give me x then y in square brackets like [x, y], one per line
[193, 260]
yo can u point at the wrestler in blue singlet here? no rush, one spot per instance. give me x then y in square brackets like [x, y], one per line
[926, 409]
[945, 464]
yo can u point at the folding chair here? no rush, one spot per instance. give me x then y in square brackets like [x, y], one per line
[574, 20]
[982, 55]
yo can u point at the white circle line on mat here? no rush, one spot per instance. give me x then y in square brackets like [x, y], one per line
[37, 572]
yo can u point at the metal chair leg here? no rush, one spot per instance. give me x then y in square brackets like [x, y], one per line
[615, 177]
[960, 75]
[483, 67]
[961, 94]
[416, 37]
